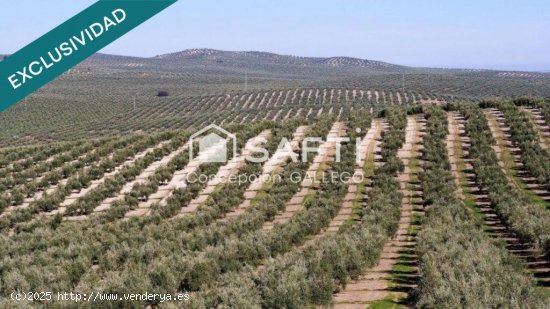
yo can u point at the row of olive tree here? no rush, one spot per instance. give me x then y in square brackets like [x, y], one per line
[24, 178]
[13, 162]
[524, 135]
[528, 221]
[461, 266]
[112, 185]
[309, 276]
[115, 241]
[82, 179]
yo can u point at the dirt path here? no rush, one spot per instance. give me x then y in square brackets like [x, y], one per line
[493, 225]
[453, 138]
[406, 96]
[395, 275]
[271, 168]
[510, 160]
[399, 99]
[277, 115]
[244, 118]
[309, 112]
[317, 168]
[287, 116]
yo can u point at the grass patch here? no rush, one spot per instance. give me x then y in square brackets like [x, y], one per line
[261, 194]
[385, 304]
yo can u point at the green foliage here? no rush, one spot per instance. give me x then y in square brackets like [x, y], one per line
[309, 276]
[460, 266]
[51, 201]
[524, 135]
[529, 222]
[219, 260]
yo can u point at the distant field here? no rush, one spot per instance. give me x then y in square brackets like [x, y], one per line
[97, 97]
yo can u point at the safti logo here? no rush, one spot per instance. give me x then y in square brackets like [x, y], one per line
[213, 142]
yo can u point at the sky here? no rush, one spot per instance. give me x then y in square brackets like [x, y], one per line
[491, 34]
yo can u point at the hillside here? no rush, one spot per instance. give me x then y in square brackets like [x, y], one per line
[205, 60]
[461, 192]
[97, 97]
[269, 63]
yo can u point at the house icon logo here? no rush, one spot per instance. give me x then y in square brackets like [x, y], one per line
[212, 141]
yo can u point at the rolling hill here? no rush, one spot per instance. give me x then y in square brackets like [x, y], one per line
[96, 98]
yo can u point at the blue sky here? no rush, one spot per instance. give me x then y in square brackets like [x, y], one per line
[505, 34]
